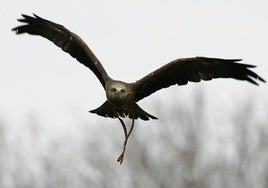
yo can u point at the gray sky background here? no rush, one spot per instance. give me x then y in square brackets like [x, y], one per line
[131, 39]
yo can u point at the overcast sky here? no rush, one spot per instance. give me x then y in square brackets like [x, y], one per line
[131, 39]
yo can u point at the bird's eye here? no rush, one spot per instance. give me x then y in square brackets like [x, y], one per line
[123, 91]
[113, 90]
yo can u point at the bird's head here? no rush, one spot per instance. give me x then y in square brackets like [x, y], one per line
[119, 93]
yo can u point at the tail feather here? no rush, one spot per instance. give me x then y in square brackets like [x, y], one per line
[108, 110]
[140, 113]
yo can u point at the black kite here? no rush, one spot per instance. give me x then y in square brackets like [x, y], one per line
[121, 96]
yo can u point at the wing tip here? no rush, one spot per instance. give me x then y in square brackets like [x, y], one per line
[249, 76]
[30, 23]
[26, 18]
[253, 77]
[252, 81]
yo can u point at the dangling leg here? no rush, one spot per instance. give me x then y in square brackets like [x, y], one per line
[121, 157]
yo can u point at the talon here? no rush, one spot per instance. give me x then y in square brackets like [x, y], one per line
[121, 158]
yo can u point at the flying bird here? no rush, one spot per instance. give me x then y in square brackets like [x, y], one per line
[122, 97]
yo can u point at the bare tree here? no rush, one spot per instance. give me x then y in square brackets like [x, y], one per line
[170, 152]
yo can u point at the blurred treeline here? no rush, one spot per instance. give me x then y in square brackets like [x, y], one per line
[183, 149]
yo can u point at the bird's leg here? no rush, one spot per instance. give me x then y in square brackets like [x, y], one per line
[127, 134]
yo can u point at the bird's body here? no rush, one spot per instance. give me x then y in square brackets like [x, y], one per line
[122, 97]
[121, 102]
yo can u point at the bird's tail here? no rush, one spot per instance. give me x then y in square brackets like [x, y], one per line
[133, 112]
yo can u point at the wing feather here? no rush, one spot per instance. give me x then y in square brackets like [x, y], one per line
[65, 39]
[180, 71]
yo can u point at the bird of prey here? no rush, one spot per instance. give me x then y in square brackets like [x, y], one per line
[122, 97]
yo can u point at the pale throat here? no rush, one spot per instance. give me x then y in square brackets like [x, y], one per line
[119, 94]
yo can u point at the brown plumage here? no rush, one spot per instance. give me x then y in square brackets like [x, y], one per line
[122, 96]
[183, 70]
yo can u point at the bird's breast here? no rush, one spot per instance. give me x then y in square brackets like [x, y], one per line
[119, 99]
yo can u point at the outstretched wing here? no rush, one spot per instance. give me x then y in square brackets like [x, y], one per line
[180, 71]
[65, 39]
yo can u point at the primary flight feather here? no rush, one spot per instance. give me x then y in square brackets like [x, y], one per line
[122, 96]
